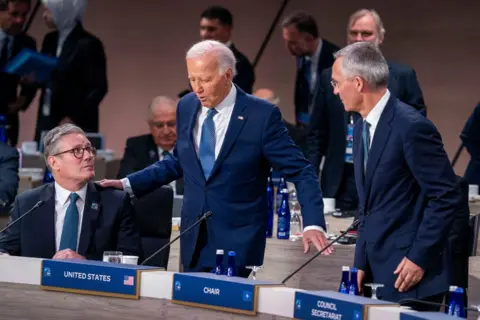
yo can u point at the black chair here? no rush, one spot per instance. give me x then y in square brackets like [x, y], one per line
[154, 218]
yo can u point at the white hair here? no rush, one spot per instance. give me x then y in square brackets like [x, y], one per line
[161, 100]
[225, 57]
[364, 60]
[374, 14]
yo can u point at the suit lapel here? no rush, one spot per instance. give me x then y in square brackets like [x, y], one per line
[393, 83]
[191, 141]
[47, 214]
[70, 44]
[153, 155]
[234, 127]
[91, 212]
[358, 162]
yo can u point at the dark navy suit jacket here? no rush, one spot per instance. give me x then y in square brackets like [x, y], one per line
[107, 226]
[8, 175]
[471, 140]
[235, 192]
[328, 129]
[407, 201]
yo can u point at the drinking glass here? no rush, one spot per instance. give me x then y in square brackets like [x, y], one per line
[374, 287]
[112, 256]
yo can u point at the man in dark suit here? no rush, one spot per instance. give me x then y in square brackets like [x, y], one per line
[408, 193]
[471, 140]
[13, 14]
[77, 219]
[331, 130]
[79, 83]
[144, 150]
[227, 142]
[8, 175]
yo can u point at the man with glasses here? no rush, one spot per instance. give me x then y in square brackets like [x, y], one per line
[142, 151]
[76, 219]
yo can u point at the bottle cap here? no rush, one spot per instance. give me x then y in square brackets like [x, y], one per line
[452, 288]
[231, 253]
[353, 270]
[345, 268]
[219, 251]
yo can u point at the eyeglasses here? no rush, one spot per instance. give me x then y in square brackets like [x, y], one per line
[78, 152]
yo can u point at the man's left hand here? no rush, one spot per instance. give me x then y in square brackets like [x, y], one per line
[318, 239]
[409, 274]
[68, 254]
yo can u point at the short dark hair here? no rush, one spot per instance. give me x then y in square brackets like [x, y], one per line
[4, 3]
[303, 22]
[220, 13]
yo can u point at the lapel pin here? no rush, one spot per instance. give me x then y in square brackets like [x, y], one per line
[94, 206]
[240, 117]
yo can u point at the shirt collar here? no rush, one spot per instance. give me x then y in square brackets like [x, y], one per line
[160, 150]
[374, 115]
[226, 103]
[316, 55]
[63, 194]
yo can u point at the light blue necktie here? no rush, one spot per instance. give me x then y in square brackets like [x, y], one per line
[366, 142]
[70, 225]
[206, 150]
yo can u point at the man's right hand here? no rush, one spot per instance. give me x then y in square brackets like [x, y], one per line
[360, 280]
[106, 183]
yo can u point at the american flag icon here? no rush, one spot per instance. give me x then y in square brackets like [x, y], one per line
[128, 280]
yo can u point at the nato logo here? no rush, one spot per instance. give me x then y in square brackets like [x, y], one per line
[298, 304]
[357, 315]
[47, 272]
[247, 296]
[178, 286]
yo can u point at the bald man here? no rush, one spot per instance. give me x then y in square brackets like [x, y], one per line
[142, 151]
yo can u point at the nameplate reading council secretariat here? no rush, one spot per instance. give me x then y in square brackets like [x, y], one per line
[426, 316]
[334, 306]
[207, 290]
[93, 277]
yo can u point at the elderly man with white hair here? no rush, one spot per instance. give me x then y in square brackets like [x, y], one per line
[79, 83]
[227, 142]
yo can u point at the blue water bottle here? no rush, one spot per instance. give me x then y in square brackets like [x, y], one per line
[269, 232]
[3, 129]
[451, 300]
[353, 285]
[283, 227]
[344, 283]
[47, 177]
[219, 262]
[231, 270]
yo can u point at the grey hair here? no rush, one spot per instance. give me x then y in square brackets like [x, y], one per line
[364, 59]
[225, 57]
[50, 143]
[161, 100]
[374, 14]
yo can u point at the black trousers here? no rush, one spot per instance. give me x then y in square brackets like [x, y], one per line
[346, 198]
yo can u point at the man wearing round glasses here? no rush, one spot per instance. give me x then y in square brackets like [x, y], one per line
[77, 219]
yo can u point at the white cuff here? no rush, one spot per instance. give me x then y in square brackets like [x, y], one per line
[314, 228]
[127, 187]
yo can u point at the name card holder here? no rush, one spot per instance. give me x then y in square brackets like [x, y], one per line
[93, 277]
[217, 292]
[426, 316]
[334, 305]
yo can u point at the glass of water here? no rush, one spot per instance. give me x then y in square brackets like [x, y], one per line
[112, 256]
[296, 226]
[374, 287]
[254, 271]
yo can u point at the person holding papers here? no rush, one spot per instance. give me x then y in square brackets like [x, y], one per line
[78, 219]
[227, 141]
[79, 83]
[13, 14]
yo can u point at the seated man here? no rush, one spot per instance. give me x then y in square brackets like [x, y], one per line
[75, 219]
[144, 150]
[8, 175]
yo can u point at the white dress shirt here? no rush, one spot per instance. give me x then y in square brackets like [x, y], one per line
[374, 115]
[314, 66]
[62, 201]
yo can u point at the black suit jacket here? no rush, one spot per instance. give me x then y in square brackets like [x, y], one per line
[107, 226]
[245, 77]
[471, 140]
[141, 152]
[9, 86]
[8, 175]
[78, 84]
[328, 129]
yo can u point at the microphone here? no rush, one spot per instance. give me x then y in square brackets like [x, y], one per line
[205, 216]
[350, 228]
[38, 204]
[407, 302]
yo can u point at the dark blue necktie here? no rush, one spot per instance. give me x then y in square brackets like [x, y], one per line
[307, 63]
[4, 52]
[206, 150]
[70, 225]
[366, 142]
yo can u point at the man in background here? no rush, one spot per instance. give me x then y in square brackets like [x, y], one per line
[13, 14]
[75, 219]
[471, 140]
[8, 176]
[331, 131]
[142, 151]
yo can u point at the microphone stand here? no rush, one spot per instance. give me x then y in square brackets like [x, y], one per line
[350, 228]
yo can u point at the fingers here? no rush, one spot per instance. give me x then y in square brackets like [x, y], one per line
[406, 283]
[306, 245]
[360, 279]
[400, 266]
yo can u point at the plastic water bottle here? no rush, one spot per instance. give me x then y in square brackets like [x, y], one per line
[269, 232]
[282, 185]
[219, 264]
[3, 129]
[47, 177]
[296, 229]
[283, 225]
[456, 302]
[353, 286]
[231, 270]
[344, 283]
